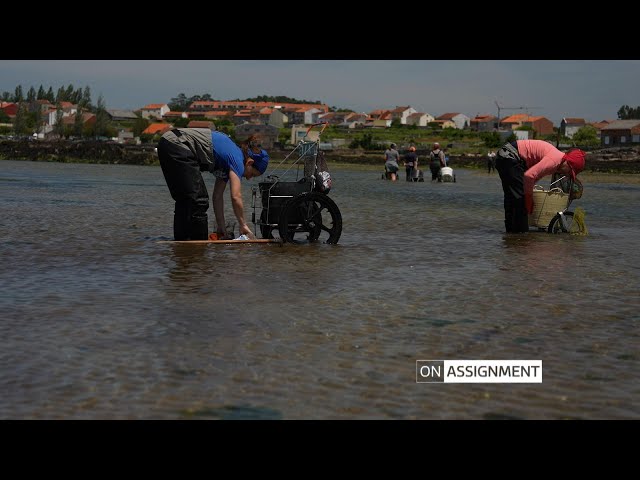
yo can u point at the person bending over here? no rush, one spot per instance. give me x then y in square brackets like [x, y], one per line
[186, 152]
[523, 162]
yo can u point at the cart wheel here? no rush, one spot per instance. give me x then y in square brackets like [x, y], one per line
[265, 229]
[568, 226]
[312, 213]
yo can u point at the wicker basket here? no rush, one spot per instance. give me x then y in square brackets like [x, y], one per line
[546, 203]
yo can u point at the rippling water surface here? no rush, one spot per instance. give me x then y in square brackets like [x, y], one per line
[100, 320]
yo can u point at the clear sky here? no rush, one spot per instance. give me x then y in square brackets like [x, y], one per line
[591, 89]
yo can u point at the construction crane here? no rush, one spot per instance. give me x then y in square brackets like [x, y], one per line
[500, 108]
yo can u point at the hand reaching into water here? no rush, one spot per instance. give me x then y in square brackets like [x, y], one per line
[245, 230]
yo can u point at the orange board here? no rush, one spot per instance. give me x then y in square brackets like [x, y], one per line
[224, 242]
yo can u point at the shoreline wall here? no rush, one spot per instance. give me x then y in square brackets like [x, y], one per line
[612, 160]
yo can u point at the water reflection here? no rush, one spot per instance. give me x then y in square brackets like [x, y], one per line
[101, 320]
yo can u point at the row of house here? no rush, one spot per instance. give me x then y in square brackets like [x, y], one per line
[240, 113]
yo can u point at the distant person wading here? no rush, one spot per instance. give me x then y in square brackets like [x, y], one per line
[391, 159]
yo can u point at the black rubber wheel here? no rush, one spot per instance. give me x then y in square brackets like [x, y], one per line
[265, 229]
[312, 213]
[569, 226]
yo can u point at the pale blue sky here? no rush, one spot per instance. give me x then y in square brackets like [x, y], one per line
[591, 89]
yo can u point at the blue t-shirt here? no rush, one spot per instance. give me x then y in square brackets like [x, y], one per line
[228, 156]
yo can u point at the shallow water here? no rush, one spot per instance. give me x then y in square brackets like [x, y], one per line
[102, 320]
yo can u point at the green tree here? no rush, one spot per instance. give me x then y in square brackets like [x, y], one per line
[61, 95]
[179, 103]
[78, 95]
[50, 96]
[180, 122]
[58, 127]
[37, 118]
[31, 95]
[146, 138]
[491, 139]
[20, 126]
[587, 136]
[78, 123]
[102, 119]
[139, 126]
[41, 93]
[627, 113]
[85, 100]
[69, 94]
[18, 96]
[5, 97]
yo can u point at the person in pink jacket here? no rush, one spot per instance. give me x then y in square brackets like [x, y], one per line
[520, 165]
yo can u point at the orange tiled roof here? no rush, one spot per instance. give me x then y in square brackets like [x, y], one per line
[153, 106]
[518, 117]
[157, 128]
[448, 116]
[483, 118]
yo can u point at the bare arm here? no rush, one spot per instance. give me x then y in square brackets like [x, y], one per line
[218, 206]
[238, 207]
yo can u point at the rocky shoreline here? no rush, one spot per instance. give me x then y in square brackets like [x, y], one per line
[611, 160]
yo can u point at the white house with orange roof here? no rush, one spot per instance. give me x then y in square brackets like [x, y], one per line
[354, 120]
[67, 109]
[380, 118]
[460, 120]
[401, 114]
[420, 119]
[154, 110]
[303, 115]
[542, 125]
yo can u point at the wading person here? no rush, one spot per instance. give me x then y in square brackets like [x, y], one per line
[411, 164]
[436, 161]
[391, 159]
[186, 152]
[520, 165]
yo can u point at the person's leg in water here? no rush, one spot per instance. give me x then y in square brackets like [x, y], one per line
[511, 171]
[182, 174]
[434, 172]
